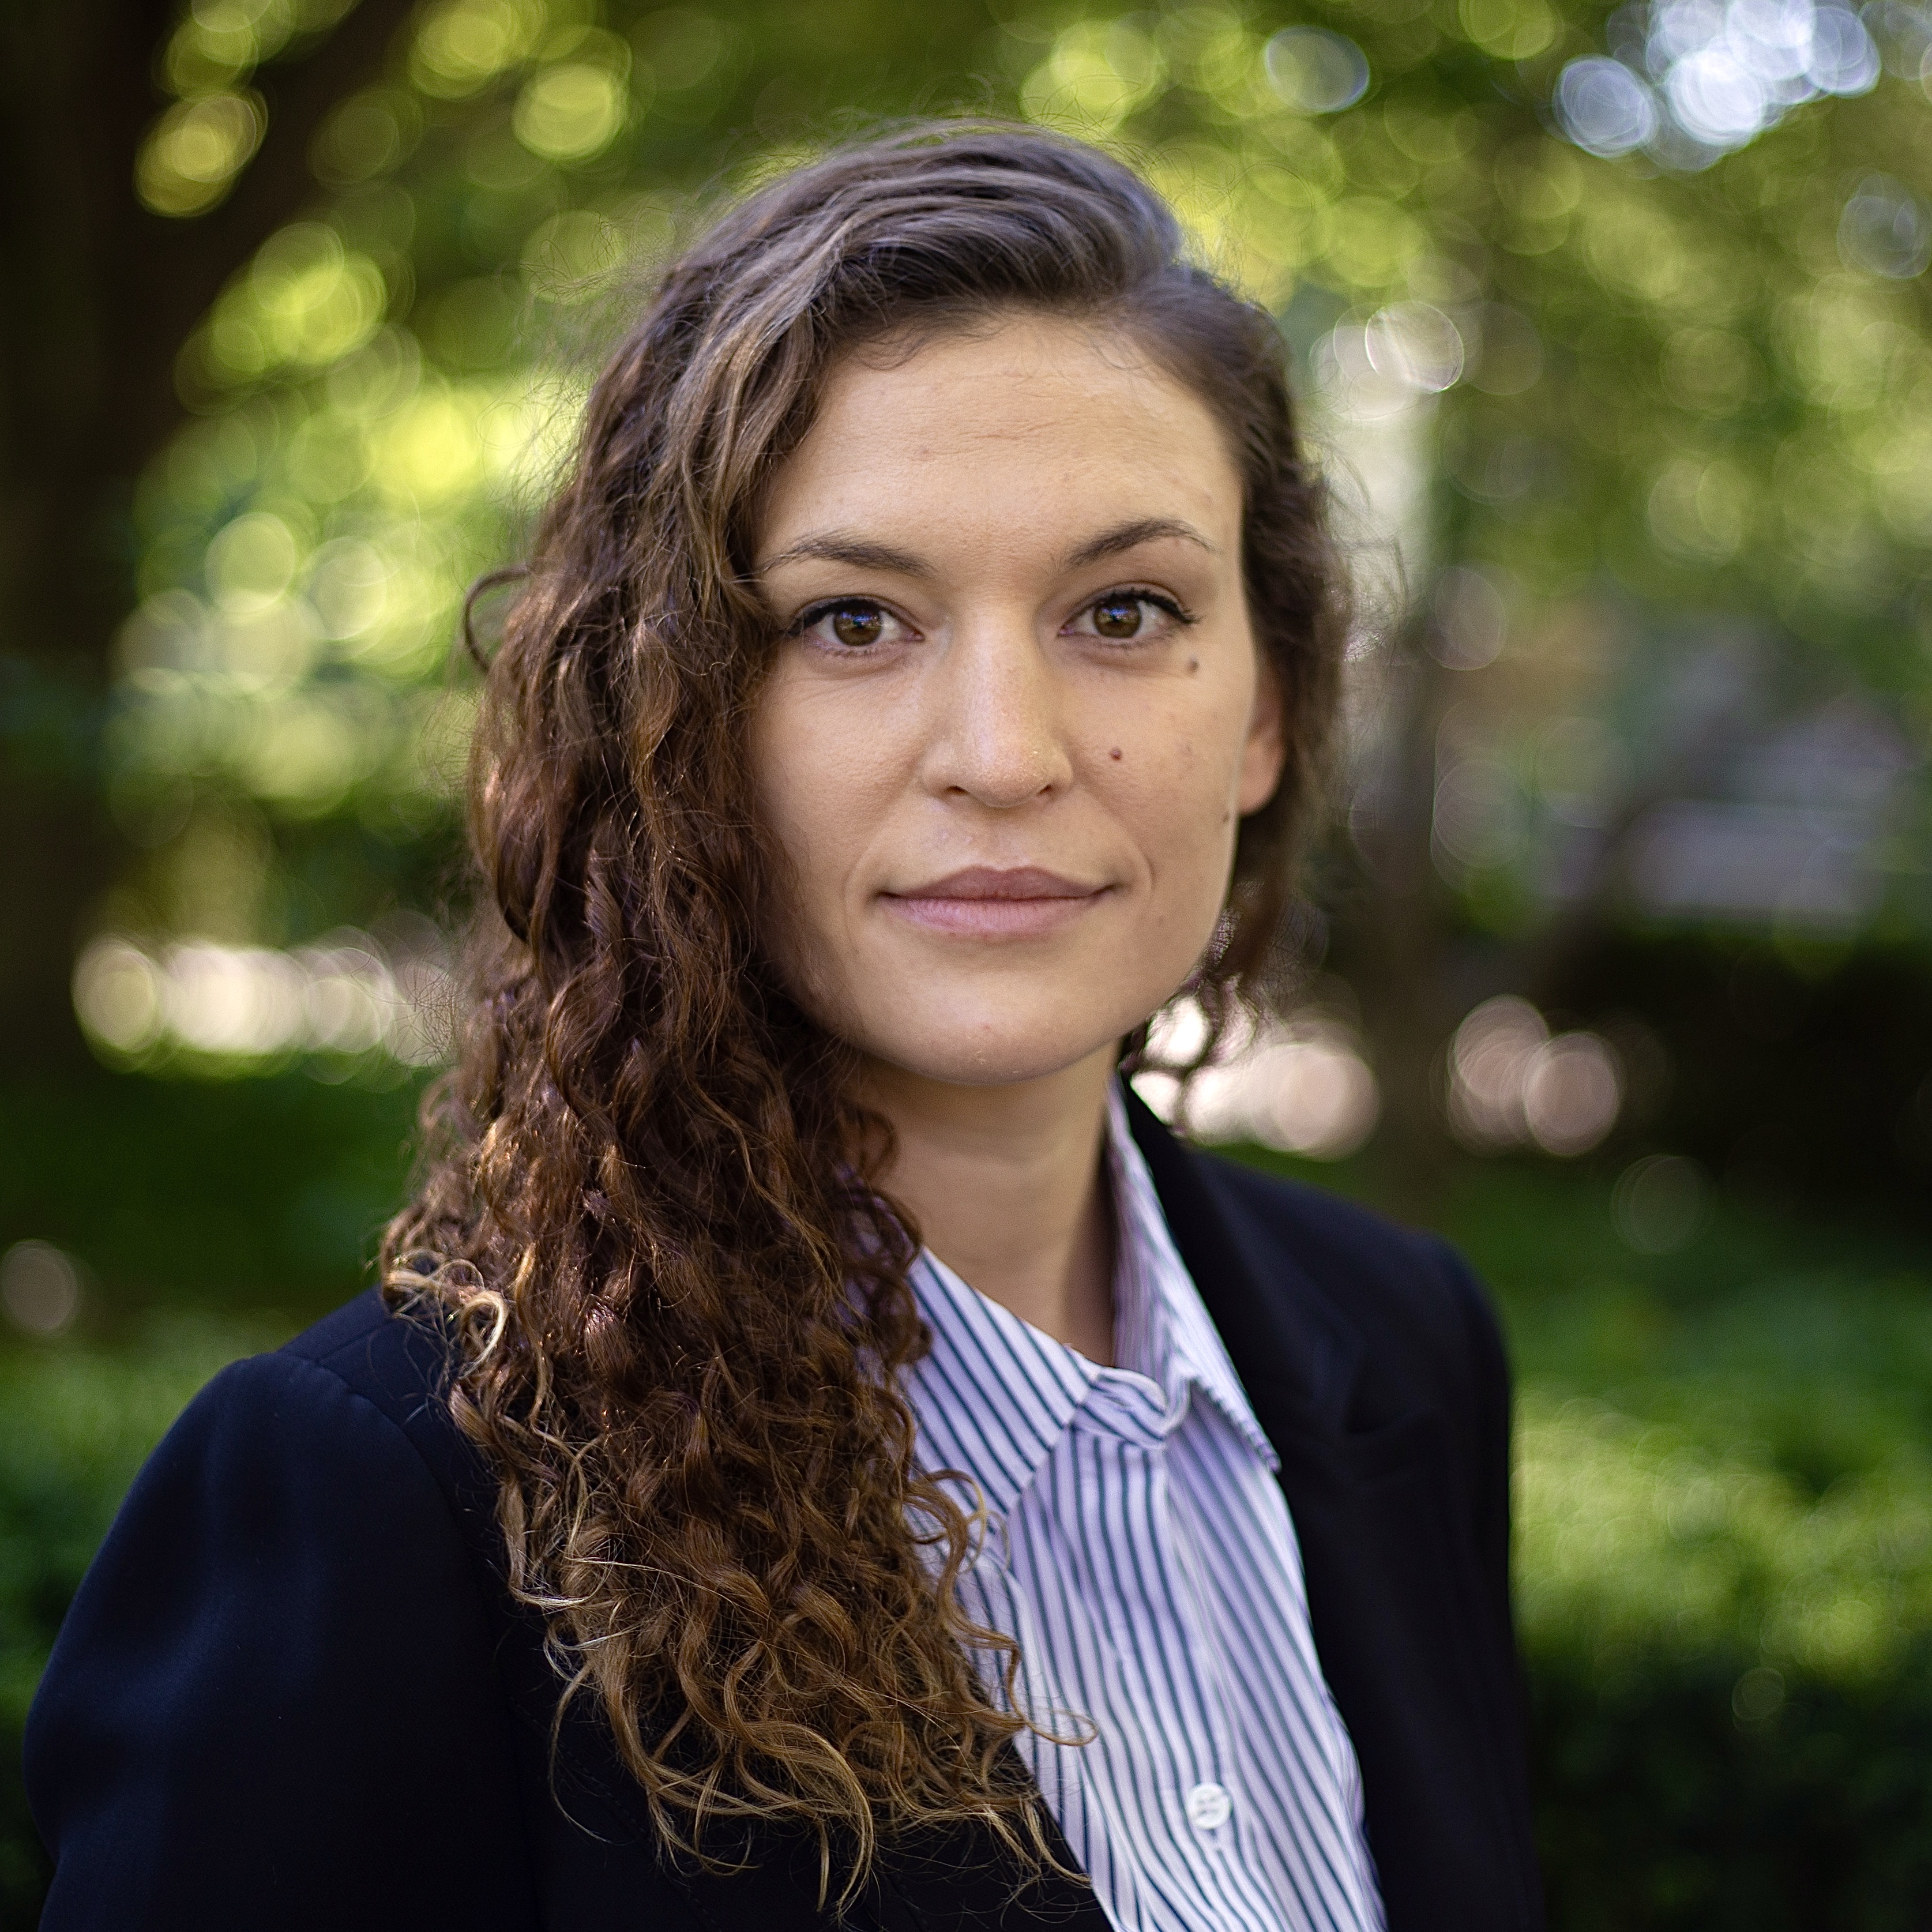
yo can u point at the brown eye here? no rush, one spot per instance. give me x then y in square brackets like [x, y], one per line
[857, 625]
[1117, 616]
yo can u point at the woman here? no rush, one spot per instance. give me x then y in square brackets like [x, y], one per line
[822, 1452]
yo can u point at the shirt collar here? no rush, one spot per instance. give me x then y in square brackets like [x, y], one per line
[994, 1394]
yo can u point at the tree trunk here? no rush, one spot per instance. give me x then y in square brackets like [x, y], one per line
[1393, 928]
[97, 297]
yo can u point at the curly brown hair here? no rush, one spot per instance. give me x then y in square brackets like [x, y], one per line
[680, 1301]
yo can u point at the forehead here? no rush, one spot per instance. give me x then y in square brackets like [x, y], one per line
[1020, 418]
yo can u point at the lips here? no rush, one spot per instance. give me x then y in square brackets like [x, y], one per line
[984, 902]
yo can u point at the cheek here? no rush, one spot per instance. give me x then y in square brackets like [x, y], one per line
[1177, 773]
[803, 772]
[816, 786]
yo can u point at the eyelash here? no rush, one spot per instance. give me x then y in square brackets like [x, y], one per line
[1160, 599]
[1174, 608]
[812, 612]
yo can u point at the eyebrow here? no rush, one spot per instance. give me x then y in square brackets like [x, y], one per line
[838, 547]
[860, 554]
[1131, 536]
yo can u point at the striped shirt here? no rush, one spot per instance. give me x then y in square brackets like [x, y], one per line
[1140, 1551]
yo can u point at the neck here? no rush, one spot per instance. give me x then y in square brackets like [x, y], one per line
[1005, 1182]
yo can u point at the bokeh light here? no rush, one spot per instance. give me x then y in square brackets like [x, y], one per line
[345, 995]
[1315, 70]
[1299, 1086]
[194, 153]
[1511, 1084]
[196, 148]
[1661, 1202]
[1886, 230]
[40, 1287]
[1692, 80]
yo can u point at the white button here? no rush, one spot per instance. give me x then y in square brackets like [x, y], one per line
[1208, 1806]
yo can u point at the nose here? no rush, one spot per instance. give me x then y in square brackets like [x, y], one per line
[995, 734]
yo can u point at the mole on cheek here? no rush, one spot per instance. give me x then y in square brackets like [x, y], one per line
[1115, 753]
[1193, 665]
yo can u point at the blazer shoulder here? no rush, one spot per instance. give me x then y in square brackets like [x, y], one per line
[275, 1699]
[401, 1363]
[396, 1359]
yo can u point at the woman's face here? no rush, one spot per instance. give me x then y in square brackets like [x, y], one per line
[1016, 712]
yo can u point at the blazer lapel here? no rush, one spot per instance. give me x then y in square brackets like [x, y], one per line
[1297, 1360]
[963, 1882]
[1395, 1601]
[957, 1880]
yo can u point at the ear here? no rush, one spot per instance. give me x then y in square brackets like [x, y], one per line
[1265, 751]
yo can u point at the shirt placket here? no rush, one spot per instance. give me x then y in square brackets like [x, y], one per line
[1202, 1798]
[1216, 1809]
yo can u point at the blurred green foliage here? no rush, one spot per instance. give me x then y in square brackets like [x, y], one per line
[251, 1198]
[1676, 387]
[1723, 1554]
[1630, 451]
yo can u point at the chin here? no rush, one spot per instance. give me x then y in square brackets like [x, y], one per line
[997, 1054]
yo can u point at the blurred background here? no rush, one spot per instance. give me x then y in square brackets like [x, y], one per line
[1613, 327]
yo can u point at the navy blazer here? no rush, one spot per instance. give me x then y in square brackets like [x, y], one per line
[293, 1691]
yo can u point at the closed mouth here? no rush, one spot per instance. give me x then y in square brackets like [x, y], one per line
[986, 902]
